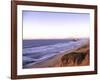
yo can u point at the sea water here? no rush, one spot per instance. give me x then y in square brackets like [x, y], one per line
[35, 51]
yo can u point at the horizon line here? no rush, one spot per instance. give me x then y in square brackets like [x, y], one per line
[54, 38]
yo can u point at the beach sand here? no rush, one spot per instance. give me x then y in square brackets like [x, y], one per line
[79, 57]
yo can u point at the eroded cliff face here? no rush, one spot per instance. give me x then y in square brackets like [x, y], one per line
[75, 58]
[80, 57]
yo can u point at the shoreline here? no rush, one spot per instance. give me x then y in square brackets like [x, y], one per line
[57, 60]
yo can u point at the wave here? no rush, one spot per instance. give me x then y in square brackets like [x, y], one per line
[38, 54]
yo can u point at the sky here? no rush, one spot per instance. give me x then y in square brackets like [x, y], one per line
[55, 25]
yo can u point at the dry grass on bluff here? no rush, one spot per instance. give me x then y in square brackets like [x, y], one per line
[76, 58]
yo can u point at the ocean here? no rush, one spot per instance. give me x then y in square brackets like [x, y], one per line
[43, 42]
[35, 51]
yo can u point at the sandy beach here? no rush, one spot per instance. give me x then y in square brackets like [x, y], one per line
[78, 57]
